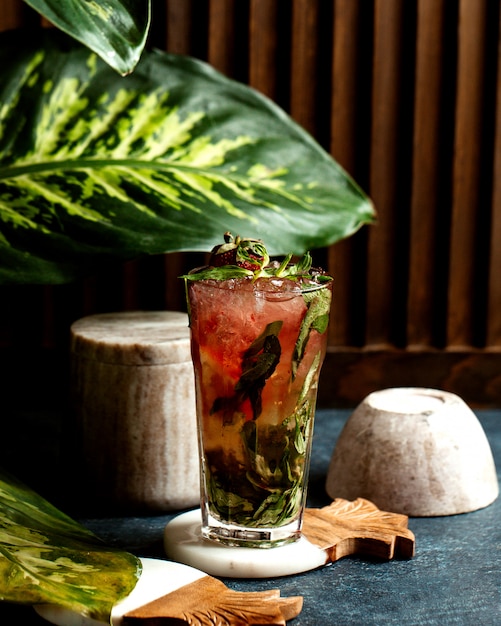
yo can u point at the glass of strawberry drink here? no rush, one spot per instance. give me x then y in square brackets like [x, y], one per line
[258, 340]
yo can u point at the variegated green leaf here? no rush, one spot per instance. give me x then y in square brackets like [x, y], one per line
[116, 30]
[94, 166]
[46, 557]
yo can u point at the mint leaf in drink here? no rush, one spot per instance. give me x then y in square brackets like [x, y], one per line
[316, 318]
[258, 364]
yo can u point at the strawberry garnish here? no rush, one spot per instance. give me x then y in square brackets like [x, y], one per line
[248, 258]
[249, 254]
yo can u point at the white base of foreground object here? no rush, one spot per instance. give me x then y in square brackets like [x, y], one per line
[157, 579]
[183, 542]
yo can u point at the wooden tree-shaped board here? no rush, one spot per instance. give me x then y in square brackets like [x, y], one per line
[208, 601]
[358, 527]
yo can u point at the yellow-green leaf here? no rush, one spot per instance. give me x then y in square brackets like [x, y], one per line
[115, 29]
[95, 167]
[46, 557]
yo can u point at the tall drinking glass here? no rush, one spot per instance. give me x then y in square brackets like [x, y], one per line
[257, 348]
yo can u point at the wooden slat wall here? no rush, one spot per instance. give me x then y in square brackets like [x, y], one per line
[383, 302]
[494, 285]
[406, 95]
[424, 200]
[466, 177]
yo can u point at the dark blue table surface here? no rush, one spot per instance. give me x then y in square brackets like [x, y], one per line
[454, 577]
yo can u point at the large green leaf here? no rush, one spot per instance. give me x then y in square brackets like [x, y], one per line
[46, 557]
[96, 166]
[116, 30]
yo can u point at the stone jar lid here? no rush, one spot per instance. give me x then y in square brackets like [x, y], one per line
[132, 338]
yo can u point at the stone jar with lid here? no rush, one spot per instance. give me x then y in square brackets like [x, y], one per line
[133, 396]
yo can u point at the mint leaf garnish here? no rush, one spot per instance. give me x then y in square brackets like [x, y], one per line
[225, 272]
[241, 264]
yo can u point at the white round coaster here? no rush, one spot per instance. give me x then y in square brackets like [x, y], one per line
[183, 542]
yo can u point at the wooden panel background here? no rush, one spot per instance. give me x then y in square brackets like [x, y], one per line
[406, 95]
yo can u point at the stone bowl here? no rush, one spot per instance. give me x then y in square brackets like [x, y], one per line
[415, 451]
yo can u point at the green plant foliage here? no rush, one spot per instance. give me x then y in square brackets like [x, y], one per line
[46, 557]
[94, 166]
[116, 30]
